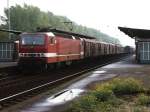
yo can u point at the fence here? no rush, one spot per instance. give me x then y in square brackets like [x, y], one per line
[7, 51]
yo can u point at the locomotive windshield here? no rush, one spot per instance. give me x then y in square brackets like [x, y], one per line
[32, 40]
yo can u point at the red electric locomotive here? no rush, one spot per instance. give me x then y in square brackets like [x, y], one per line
[52, 46]
[57, 46]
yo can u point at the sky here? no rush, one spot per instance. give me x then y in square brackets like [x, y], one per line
[103, 15]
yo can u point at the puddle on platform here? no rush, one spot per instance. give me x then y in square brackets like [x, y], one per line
[65, 96]
[57, 99]
[99, 72]
[96, 75]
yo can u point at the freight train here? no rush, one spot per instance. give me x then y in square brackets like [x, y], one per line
[53, 46]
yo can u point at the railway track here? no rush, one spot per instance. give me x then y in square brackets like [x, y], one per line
[41, 82]
[8, 73]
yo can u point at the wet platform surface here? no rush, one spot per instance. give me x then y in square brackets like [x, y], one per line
[59, 101]
[127, 67]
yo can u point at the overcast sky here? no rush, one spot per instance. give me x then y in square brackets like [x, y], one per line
[104, 15]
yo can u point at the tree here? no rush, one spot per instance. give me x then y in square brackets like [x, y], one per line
[28, 18]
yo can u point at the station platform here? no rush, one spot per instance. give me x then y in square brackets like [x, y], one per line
[7, 64]
[124, 68]
[127, 67]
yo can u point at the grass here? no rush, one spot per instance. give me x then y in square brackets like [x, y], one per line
[121, 86]
[143, 99]
[110, 97]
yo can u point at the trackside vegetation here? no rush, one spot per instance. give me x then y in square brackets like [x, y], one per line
[117, 95]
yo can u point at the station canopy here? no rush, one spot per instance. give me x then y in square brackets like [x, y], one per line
[133, 32]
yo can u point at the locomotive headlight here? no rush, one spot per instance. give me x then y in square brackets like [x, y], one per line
[20, 54]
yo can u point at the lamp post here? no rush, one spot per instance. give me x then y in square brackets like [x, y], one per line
[9, 24]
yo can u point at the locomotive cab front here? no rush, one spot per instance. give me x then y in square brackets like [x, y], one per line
[33, 48]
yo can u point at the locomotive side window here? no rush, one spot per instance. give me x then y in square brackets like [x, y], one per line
[32, 39]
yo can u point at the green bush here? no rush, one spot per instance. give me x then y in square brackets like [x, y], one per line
[143, 99]
[100, 87]
[103, 94]
[138, 109]
[126, 86]
[115, 102]
[87, 103]
[106, 107]
[122, 86]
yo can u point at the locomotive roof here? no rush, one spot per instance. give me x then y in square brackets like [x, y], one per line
[133, 32]
[52, 31]
[57, 31]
